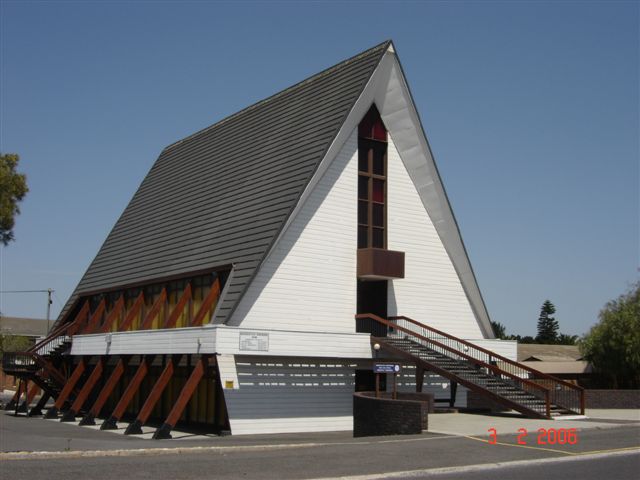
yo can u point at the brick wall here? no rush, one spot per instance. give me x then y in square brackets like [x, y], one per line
[385, 416]
[612, 398]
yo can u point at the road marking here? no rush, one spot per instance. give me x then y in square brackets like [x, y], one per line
[433, 472]
[520, 446]
[554, 450]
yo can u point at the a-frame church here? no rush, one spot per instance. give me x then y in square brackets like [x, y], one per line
[245, 283]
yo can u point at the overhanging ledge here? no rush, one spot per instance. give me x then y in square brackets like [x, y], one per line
[380, 264]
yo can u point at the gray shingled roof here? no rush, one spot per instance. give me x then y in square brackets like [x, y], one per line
[222, 196]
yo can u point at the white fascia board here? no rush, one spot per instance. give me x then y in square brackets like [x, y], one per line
[225, 340]
[388, 89]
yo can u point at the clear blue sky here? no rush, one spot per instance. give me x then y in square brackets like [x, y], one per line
[531, 109]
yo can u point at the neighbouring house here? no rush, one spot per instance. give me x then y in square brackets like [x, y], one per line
[268, 261]
[562, 361]
[10, 328]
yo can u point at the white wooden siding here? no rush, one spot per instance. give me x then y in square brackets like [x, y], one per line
[431, 291]
[285, 395]
[309, 280]
[176, 340]
[224, 340]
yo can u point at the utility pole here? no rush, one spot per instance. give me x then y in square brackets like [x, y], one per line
[49, 292]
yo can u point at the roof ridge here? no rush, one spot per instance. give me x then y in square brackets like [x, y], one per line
[270, 98]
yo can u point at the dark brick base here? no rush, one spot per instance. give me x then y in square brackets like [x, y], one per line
[384, 416]
[612, 398]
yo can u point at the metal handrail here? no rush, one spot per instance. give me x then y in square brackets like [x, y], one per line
[537, 373]
[563, 394]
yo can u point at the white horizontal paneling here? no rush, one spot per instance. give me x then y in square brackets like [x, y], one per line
[308, 282]
[285, 395]
[431, 291]
[225, 341]
[176, 340]
[298, 343]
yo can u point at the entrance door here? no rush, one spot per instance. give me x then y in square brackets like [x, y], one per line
[372, 298]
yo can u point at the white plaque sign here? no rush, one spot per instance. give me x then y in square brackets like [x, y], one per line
[254, 342]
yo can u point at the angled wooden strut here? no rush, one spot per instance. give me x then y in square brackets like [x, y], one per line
[135, 427]
[212, 296]
[94, 321]
[111, 422]
[132, 313]
[70, 415]
[179, 308]
[31, 394]
[15, 399]
[185, 395]
[79, 322]
[113, 315]
[155, 309]
[66, 390]
[89, 418]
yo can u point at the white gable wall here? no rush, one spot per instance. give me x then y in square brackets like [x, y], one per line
[431, 291]
[308, 282]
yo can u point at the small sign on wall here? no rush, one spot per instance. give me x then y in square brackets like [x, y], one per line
[254, 342]
[228, 384]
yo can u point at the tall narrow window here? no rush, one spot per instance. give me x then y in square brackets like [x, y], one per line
[372, 181]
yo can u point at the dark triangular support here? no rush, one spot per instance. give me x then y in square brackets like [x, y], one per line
[185, 395]
[37, 410]
[136, 426]
[419, 378]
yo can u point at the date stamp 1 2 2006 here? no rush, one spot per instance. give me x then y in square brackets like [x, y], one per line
[546, 436]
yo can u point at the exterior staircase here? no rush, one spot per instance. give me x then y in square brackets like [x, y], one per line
[42, 364]
[497, 378]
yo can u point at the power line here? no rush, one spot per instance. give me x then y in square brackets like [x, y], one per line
[25, 291]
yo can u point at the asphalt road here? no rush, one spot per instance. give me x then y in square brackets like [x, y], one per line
[599, 453]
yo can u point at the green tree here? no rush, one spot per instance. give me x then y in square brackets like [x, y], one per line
[499, 330]
[564, 339]
[13, 188]
[14, 343]
[613, 344]
[547, 325]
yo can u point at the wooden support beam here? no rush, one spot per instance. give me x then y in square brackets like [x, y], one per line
[80, 320]
[113, 315]
[70, 415]
[21, 387]
[185, 395]
[179, 308]
[155, 309]
[37, 410]
[14, 400]
[94, 321]
[454, 390]
[30, 396]
[207, 303]
[135, 427]
[111, 422]
[103, 396]
[419, 379]
[132, 313]
[66, 390]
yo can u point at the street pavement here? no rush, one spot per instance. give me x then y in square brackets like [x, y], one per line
[610, 445]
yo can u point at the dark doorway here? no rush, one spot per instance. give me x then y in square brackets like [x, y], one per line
[372, 298]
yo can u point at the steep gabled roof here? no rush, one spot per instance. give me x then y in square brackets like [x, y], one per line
[220, 197]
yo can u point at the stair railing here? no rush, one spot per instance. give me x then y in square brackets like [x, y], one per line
[563, 394]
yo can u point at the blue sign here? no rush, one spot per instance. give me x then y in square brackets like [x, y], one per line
[386, 368]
